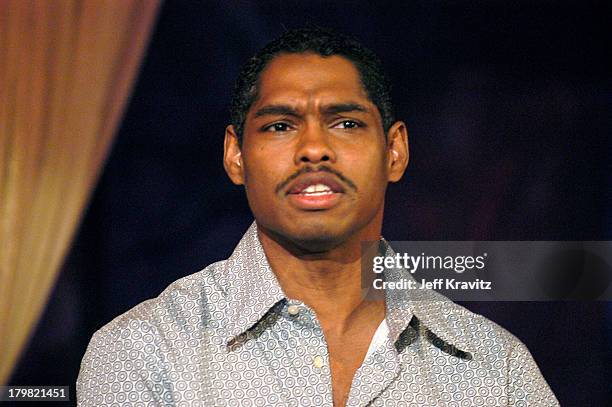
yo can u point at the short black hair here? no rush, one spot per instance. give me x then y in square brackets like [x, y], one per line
[325, 43]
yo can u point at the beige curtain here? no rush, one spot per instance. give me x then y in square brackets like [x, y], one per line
[66, 70]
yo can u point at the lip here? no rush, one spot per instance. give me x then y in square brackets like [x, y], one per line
[314, 202]
[306, 180]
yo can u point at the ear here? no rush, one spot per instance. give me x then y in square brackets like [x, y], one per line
[397, 151]
[232, 156]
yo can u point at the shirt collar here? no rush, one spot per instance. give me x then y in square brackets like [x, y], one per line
[435, 312]
[251, 290]
[250, 286]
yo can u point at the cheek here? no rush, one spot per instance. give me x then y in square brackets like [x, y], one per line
[370, 169]
[262, 173]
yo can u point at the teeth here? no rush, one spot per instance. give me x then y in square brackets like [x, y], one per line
[317, 189]
[317, 193]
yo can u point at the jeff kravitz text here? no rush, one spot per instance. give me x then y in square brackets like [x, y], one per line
[435, 284]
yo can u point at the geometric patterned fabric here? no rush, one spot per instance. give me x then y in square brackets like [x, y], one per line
[228, 336]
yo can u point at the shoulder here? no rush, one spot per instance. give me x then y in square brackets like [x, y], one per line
[479, 333]
[458, 324]
[140, 343]
[137, 348]
[182, 303]
[495, 348]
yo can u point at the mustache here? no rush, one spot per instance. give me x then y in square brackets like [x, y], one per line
[322, 168]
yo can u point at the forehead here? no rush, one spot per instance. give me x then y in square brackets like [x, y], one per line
[306, 78]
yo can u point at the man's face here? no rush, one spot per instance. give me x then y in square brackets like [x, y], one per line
[314, 157]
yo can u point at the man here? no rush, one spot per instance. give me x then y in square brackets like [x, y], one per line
[285, 320]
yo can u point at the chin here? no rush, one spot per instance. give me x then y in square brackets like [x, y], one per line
[317, 244]
[314, 238]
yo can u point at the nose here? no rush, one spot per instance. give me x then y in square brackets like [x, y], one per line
[314, 146]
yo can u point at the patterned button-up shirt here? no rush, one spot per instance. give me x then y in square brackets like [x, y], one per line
[228, 336]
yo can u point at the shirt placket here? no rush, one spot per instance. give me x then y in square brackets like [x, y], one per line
[312, 361]
[378, 372]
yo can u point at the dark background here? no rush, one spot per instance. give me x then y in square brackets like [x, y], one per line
[508, 109]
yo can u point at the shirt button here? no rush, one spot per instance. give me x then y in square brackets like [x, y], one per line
[293, 310]
[317, 361]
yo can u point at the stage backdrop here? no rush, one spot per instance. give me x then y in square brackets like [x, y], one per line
[508, 110]
[66, 70]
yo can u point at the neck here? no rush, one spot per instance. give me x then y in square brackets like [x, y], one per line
[330, 282]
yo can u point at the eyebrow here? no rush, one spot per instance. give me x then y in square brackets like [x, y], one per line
[343, 108]
[286, 110]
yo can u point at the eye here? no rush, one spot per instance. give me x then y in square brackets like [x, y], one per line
[347, 124]
[277, 127]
